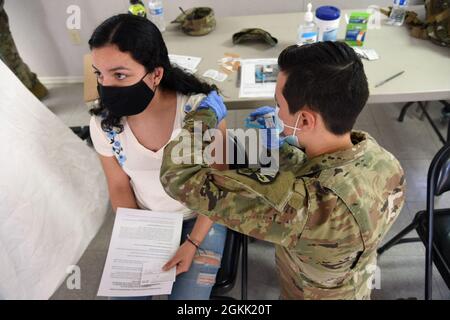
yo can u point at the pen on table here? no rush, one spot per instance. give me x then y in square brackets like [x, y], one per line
[389, 79]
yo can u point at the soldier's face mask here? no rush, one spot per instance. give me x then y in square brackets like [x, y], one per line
[291, 139]
[126, 101]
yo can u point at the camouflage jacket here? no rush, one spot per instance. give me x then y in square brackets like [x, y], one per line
[326, 215]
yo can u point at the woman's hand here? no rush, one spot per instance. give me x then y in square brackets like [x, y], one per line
[182, 258]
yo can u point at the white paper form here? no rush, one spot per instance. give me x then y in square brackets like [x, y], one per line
[187, 63]
[258, 78]
[151, 273]
[140, 239]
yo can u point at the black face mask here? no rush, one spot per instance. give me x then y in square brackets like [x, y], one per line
[126, 101]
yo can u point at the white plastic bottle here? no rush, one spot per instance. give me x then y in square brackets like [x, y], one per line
[156, 14]
[307, 32]
[398, 13]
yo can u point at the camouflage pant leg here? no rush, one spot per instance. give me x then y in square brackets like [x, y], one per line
[10, 56]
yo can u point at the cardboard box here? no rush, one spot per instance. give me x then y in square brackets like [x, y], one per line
[90, 80]
[357, 28]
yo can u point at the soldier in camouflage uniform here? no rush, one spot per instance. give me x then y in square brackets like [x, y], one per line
[10, 56]
[326, 214]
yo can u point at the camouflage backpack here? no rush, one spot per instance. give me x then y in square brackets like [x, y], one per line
[436, 26]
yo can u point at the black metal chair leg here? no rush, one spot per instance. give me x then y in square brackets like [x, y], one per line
[436, 130]
[446, 109]
[244, 267]
[429, 244]
[398, 238]
[448, 131]
[405, 108]
[429, 273]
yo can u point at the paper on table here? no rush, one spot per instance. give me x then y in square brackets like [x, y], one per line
[258, 77]
[369, 54]
[139, 237]
[187, 63]
[215, 75]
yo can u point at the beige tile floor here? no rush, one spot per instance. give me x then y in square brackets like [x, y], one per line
[402, 268]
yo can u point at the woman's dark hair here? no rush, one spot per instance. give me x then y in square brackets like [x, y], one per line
[329, 78]
[143, 40]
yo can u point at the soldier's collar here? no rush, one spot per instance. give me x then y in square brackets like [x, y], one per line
[336, 159]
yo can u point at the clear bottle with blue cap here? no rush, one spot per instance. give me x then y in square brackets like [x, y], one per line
[156, 14]
[307, 32]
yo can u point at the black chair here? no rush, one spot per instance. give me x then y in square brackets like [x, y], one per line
[82, 132]
[433, 226]
[227, 274]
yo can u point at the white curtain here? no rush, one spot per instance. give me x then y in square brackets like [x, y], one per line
[53, 195]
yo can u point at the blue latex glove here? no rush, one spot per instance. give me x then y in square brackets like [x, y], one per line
[214, 102]
[257, 120]
[266, 119]
[262, 111]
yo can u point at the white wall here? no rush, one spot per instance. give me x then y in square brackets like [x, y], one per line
[39, 26]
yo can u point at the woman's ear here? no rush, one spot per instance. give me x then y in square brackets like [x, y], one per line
[154, 78]
[158, 74]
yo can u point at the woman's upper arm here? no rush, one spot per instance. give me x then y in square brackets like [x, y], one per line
[120, 189]
[114, 173]
[101, 143]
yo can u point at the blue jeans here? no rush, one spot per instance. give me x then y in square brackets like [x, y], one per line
[197, 282]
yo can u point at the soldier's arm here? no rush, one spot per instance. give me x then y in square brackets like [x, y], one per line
[238, 201]
[332, 241]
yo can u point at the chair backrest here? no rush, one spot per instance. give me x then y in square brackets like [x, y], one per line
[439, 172]
[438, 182]
[227, 274]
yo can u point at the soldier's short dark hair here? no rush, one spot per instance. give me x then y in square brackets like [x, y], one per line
[329, 78]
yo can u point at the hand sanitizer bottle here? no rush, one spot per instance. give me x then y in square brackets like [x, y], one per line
[307, 32]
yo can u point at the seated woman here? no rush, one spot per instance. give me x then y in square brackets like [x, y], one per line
[143, 101]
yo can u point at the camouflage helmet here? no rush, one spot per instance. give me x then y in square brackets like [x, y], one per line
[254, 34]
[197, 21]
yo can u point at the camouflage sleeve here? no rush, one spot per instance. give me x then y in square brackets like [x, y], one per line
[243, 201]
[291, 157]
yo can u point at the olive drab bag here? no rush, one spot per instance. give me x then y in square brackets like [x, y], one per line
[436, 26]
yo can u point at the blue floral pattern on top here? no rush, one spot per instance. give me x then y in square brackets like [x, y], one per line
[116, 147]
[187, 108]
